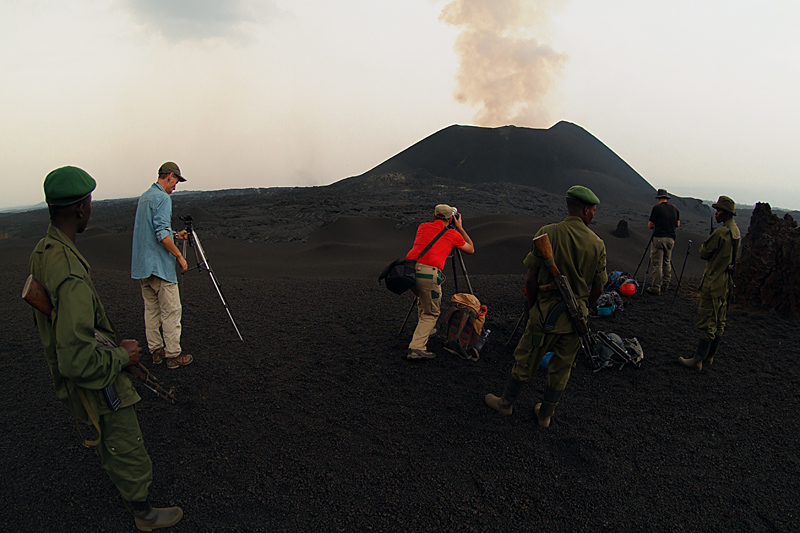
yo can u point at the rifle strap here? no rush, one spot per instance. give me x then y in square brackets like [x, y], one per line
[88, 443]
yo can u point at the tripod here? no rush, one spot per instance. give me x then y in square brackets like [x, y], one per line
[647, 268]
[453, 254]
[202, 264]
[678, 288]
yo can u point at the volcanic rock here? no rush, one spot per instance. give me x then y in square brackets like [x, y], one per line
[622, 230]
[767, 274]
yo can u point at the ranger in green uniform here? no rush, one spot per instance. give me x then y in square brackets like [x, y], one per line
[81, 368]
[580, 255]
[719, 250]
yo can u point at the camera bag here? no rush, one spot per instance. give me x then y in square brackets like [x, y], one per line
[401, 274]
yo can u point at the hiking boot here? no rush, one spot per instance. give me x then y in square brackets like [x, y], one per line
[182, 360]
[544, 410]
[158, 356]
[696, 362]
[503, 405]
[419, 354]
[653, 290]
[149, 518]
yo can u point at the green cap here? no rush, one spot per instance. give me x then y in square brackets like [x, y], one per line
[170, 167]
[726, 204]
[584, 194]
[67, 185]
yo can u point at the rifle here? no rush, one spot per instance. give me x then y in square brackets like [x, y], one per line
[731, 269]
[36, 295]
[542, 244]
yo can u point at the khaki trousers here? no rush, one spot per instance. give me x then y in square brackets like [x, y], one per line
[162, 309]
[661, 258]
[429, 291]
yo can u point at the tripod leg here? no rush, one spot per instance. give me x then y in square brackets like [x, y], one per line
[516, 326]
[455, 274]
[464, 270]
[199, 250]
[646, 248]
[413, 303]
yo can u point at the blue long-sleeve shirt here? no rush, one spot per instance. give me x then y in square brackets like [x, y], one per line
[152, 225]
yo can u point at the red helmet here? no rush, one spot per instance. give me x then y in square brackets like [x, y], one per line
[628, 288]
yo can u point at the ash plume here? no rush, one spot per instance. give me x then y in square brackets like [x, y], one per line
[503, 70]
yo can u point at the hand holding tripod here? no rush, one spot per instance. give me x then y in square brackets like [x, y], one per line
[202, 264]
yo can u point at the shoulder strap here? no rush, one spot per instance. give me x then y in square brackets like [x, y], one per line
[425, 250]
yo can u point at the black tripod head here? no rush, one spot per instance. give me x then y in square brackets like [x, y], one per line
[187, 219]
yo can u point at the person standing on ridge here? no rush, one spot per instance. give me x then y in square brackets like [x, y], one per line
[664, 218]
[719, 251]
[88, 377]
[153, 264]
[580, 255]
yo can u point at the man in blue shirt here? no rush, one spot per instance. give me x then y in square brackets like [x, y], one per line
[153, 264]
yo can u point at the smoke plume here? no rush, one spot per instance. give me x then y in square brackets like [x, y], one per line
[503, 71]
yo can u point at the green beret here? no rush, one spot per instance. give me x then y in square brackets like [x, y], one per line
[67, 185]
[584, 194]
[726, 204]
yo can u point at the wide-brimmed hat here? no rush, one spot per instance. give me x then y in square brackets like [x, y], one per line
[662, 193]
[726, 204]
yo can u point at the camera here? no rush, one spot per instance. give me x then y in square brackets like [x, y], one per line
[187, 219]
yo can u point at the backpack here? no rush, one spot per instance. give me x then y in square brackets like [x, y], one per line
[464, 322]
[608, 303]
[611, 350]
[616, 279]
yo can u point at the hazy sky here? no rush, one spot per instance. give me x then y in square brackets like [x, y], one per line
[701, 98]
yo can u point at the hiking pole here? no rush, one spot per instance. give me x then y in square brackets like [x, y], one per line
[202, 263]
[464, 269]
[678, 288]
[413, 303]
[642, 259]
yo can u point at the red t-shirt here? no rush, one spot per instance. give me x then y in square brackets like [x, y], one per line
[438, 253]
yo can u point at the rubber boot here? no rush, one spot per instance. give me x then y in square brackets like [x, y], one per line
[712, 350]
[503, 405]
[545, 409]
[149, 518]
[696, 362]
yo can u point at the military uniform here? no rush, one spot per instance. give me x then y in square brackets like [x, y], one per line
[81, 368]
[580, 256]
[718, 251]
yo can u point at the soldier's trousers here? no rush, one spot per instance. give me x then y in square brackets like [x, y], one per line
[711, 315]
[532, 347]
[123, 454]
[429, 291]
[661, 259]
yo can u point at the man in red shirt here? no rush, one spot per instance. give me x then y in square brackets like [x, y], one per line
[429, 271]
